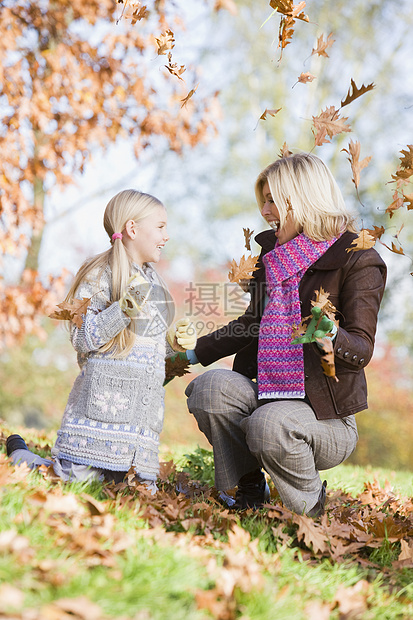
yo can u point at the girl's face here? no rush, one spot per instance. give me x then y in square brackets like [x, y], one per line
[150, 237]
[271, 214]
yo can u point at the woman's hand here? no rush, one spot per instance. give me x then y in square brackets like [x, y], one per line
[185, 336]
[318, 328]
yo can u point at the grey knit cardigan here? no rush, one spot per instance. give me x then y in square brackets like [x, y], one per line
[115, 409]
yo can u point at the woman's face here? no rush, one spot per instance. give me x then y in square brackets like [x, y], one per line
[271, 214]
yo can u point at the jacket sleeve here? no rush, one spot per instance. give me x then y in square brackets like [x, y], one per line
[240, 332]
[360, 296]
[102, 321]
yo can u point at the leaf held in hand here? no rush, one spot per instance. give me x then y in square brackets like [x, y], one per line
[177, 368]
[72, 311]
[244, 270]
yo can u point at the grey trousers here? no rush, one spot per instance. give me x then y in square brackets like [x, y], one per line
[284, 437]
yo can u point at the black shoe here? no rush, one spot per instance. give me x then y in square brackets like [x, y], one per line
[318, 509]
[252, 492]
[15, 442]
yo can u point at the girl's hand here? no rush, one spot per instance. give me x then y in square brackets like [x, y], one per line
[133, 300]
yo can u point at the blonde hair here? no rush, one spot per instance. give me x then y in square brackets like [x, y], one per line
[126, 205]
[304, 185]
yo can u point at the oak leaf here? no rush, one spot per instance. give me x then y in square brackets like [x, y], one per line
[285, 151]
[354, 92]
[247, 236]
[189, 95]
[406, 164]
[396, 204]
[328, 123]
[322, 301]
[322, 45]
[363, 241]
[287, 7]
[244, 270]
[394, 248]
[174, 68]
[409, 199]
[311, 533]
[165, 42]
[356, 165]
[268, 112]
[376, 231]
[72, 311]
[327, 359]
[178, 368]
[304, 78]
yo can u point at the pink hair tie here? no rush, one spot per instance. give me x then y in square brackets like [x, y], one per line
[116, 236]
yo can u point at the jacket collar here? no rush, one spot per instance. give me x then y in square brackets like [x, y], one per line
[335, 257]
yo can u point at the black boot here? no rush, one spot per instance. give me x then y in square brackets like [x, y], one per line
[252, 492]
[15, 442]
[318, 509]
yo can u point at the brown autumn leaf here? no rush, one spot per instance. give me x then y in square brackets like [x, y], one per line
[228, 5]
[396, 204]
[394, 248]
[328, 123]
[356, 165]
[247, 236]
[165, 42]
[285, 151]
[409, 199]
[322, 45]
[304, 78]
[268, 112]
[376, 231]
[352, 601]
[311, 533]
[327, 359]
[243, 270]
[287, 7]
[72, 311]
[363, 241]
[322, 301]
[179, 368]
[406, 164]
[189, 95]
[354, 92]
[174, 68]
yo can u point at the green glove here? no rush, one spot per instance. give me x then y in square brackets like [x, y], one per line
[316, 328]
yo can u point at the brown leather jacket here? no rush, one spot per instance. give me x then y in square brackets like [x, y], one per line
[355, 281]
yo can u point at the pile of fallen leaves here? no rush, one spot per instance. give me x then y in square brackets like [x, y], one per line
[188, 515]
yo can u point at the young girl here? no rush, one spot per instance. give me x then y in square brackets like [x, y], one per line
[115, 409]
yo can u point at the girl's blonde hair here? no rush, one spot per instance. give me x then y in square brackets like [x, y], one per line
[304, 185]
[126, 205]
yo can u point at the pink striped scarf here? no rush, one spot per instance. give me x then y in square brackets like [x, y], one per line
[280, 363]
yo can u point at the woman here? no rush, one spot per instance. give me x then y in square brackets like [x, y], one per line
[277, 410]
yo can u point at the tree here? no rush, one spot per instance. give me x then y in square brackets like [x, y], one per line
[73, 80]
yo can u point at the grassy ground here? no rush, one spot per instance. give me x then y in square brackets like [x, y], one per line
[99, 552]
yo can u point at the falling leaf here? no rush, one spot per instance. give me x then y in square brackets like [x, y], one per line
[189, 95]
[406, 164]
[247, 236]
[322, 45]
[244, 270]
[394, 248]
[287, 7]
[72, 311]
[363, 241]
[328, 123]
[304, 78]
[396, 204]
[409, 199]
[228, 5]
[354, 92]
[267, 112]
[285, 151]
[356, 165]
[165, 42]
[175, 69]
[376, 231]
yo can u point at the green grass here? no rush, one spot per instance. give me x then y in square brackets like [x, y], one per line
[156, 575]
